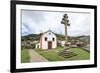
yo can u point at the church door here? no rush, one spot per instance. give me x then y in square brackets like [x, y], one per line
[49, 45]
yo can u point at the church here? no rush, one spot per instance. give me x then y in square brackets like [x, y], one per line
[48, 40]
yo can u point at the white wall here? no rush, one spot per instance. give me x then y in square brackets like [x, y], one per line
[49, 38]
[37, 45]
[5, 35]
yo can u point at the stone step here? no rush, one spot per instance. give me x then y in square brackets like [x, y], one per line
[67, 54]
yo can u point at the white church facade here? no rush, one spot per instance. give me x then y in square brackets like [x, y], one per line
[48, 40]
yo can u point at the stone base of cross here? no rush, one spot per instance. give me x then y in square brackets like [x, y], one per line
[67, 46]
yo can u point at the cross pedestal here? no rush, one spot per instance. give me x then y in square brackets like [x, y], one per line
[66, 46]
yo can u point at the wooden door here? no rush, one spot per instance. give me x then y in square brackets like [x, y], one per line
[49, 45]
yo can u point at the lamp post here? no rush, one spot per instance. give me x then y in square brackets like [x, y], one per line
[65, 21]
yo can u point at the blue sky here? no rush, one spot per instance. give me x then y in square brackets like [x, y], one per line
[34, 22]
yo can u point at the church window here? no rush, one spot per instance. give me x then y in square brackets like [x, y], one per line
[53, 39]
[49, 33]
[45, 38]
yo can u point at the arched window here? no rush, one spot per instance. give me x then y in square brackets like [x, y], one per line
[37, 46]
[53, 39]
[49, 33]
[45, 38]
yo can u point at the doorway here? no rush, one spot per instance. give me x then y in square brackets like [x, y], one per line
[49, 45]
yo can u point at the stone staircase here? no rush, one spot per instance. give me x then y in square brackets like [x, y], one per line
[67, 54]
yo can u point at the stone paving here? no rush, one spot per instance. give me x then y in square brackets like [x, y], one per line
[35, 57]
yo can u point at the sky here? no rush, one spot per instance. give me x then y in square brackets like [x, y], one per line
[35, 22]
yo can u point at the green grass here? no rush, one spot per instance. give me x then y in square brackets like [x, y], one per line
[25, 56]
[52, 54]
[81, 54]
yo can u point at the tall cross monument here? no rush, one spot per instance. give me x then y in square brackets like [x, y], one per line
[65, 21]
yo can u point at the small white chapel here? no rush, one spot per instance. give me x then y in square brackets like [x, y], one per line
[48, 40]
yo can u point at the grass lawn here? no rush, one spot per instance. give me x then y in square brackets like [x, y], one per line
[52, 54]
[81, 54]
[25, 56]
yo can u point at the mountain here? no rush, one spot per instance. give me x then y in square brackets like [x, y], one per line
[33, 36]
[59, 37]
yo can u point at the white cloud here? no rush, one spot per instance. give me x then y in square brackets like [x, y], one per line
[37, 21]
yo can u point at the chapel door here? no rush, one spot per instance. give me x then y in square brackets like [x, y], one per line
[49, 45]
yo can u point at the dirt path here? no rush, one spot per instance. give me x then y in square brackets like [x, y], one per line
[35, 57]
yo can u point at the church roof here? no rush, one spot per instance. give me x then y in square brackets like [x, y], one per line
[49, 31]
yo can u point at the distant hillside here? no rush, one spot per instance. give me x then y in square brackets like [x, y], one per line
[59, 37]
[33, 36]
[85, 39]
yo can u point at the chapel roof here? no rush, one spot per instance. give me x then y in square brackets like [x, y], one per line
[48, 31]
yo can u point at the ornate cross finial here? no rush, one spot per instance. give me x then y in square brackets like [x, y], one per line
[65, 20]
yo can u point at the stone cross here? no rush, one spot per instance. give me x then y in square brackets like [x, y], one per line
[65, 21]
